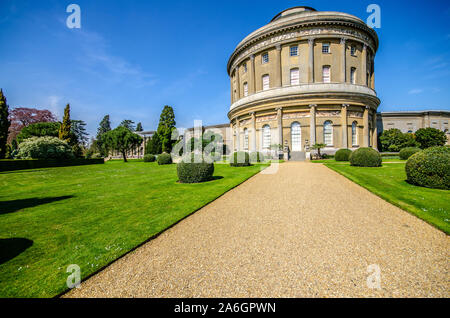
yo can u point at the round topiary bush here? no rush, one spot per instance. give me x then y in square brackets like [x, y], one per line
[164, 159]
[430, 168]
[44, 148]
[407, 152]
[240, 159]
[256, 156]
[342, 155]
[365, 157]
[193, 169]
[149, 158]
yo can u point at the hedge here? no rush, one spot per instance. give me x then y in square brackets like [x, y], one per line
[190, 170]
[365, 157]
[430, 168]
[240, 159]
[407, 152]
[256, 156]
[149, 158]
[21, 164]
[164, 159]
[342, 155]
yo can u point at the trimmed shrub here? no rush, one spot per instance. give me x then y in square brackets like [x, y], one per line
[193, 169]
[342, 155]
[407, 152]
[365, 157]
[430, 137]
[430, 168]
[256, 156]
[164, 159]
[240, 159]
[149, 158]
[44, 148]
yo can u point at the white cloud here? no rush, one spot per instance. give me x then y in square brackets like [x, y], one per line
[54, 105]
[415, 91]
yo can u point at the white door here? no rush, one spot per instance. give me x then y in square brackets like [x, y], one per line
[296, 137]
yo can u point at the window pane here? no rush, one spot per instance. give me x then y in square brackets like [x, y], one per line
[246, 138]
[245, 89]
[294, 50]
[265, 82]
[326, 74]
[326, 48]
[295, 80]
[328, 133]
[352, 75]
[296, 136]
[354, 135]
[265, 58]
[266, 137]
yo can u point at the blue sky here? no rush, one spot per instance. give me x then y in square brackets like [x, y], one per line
[132, 57]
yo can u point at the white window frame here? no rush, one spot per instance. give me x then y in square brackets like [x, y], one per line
[245, 139]
[296, 136]
[326, 48]
[295, 76]
[326, 78]
[265, 58]
[265, 83]
[354, 133]
[293, 49]
[328, 133]
[245, 89]
[267, 138]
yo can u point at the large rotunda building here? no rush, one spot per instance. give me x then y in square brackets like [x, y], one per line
[307, 77]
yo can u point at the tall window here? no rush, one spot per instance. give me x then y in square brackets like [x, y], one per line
[353, 50]
[266, 137]
[245, 89]
[294, 50]
[265, 82]
[245, 138]
[245, 67]
[353, 75]
[326, 74]
[367, 79]
[328, 133]
[296, 137]
[325, 47]
[295, 76]
[265, 58]
[354, 134]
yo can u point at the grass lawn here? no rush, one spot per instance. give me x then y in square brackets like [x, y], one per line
[388, 182]
[89, 216]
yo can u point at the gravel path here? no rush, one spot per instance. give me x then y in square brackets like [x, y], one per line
[305, 231]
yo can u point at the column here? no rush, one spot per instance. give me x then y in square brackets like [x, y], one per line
[280, 125]
[375, 131]
[344, 126]
[278, 81]
[311, 61]
[238, 135]
[253, 131]
[344, 61]
[238, 84]
[312, 125]
[366, 127]
[252, 81]
[364, 64]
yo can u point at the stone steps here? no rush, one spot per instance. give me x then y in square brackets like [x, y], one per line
[297, 156]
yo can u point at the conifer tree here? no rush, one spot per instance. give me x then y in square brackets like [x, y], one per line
[165, 128]
[4, 124]
[139, 127]
[65, 128]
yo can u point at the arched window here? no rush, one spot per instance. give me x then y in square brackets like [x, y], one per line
[245, 89]
[328, 133]
[326, 74]
[245, 138]
[295, 76]
[354, 134]
[265, 82]
[353, 75]
[296, 137]
[266, 137]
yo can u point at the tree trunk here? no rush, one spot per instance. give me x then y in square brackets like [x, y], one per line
[124, 156]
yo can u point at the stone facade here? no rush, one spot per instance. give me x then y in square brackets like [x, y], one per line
[279, 80]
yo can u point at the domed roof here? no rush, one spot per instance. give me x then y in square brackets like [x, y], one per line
[293, 10]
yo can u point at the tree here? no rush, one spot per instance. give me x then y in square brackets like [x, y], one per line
[122, 140]
[394, 140]
[39, 130]
[65, 128]
[129, 124]
[165, 128]
[153, 146]
[78, 130]
[104, 127]
[139, 127]
[22, 117]
[430, 137]
[318, 147]
[4, 124]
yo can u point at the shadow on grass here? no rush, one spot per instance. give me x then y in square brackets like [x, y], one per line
[12, 247]
[16, 205]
